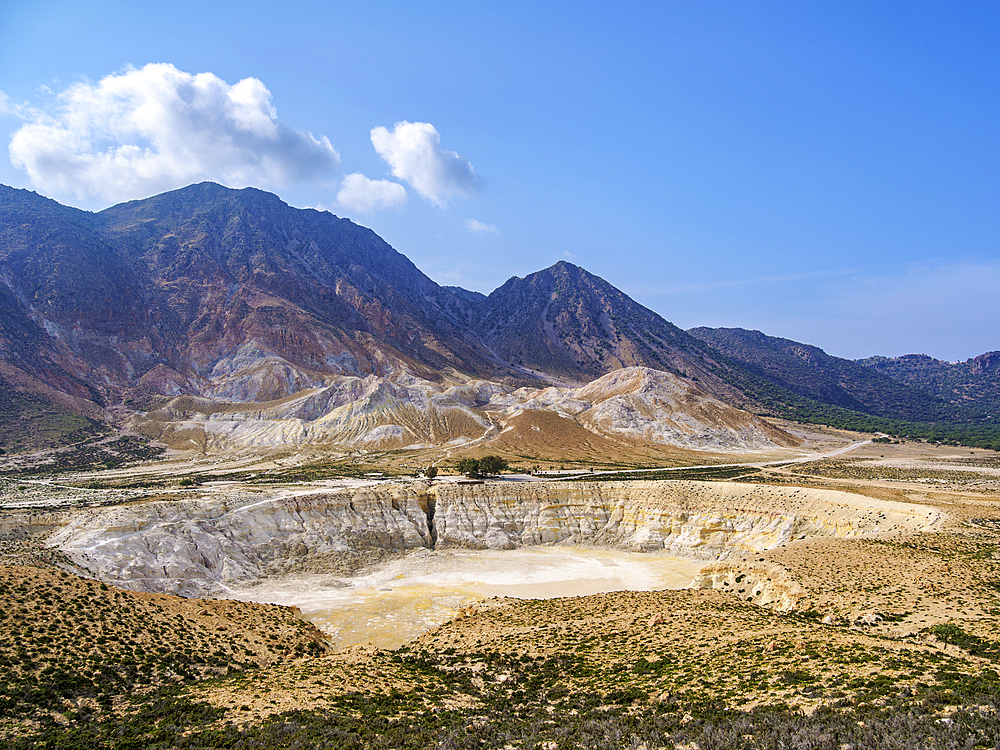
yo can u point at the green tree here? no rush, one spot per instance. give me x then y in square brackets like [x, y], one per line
[492, 465]
[431, 472]
[469, 467]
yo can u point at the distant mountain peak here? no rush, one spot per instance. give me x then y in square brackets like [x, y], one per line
[876, 386]
[568, 322]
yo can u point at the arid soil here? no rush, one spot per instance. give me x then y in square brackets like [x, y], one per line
[70, 645]
[893, 636]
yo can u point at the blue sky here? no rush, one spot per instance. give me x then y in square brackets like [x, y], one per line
[828, 172]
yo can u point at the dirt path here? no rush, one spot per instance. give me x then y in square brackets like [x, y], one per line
[756, 465]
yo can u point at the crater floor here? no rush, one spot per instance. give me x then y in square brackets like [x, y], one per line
[408, 596]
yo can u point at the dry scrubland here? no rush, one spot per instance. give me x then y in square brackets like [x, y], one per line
[892, 643]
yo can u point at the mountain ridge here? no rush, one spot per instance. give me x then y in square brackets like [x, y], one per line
[219, 269]
[234, 296]
[914, 395]
[811, 372]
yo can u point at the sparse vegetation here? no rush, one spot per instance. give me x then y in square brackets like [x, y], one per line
[29, 422]
[722, 473]
[893, 640]
[75, 651]
[591, 672]
[108, 453]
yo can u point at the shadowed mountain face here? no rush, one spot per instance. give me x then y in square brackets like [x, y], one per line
[566, 321]
[64, 292]
[915, 388]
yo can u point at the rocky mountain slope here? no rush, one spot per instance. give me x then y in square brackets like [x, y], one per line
[215, 292]
[973, 384]
[811, 372]
[218, 298]
[231, 293]
[566, 321]
[210, 317]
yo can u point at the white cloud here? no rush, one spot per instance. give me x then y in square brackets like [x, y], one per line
[358, 193]
[21, 110]
[413, 152]
[478, 226]
[143, 131]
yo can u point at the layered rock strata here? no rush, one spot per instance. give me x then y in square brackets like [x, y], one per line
[636, 405]
[202, 546]
[197, 547]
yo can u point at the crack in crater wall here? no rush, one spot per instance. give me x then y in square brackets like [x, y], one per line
[428, 503]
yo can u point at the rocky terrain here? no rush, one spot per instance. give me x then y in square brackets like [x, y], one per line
[216, 318]
[843, 601]
[203, 547]
[214, 292]
[568, 322]
[635, 406]
[271, 368]
[232, 294]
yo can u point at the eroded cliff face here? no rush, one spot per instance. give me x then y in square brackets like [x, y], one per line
[202, 546]
[705, 520]
[198, 547]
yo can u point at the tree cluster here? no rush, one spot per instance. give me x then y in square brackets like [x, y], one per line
[479, 467]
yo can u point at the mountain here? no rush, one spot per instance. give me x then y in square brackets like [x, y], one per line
[216, 292]
[223, 293]
[52, 258]
[912, 396]
[567, 322]
[209, 317]
[973, 384]
[809, 371]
